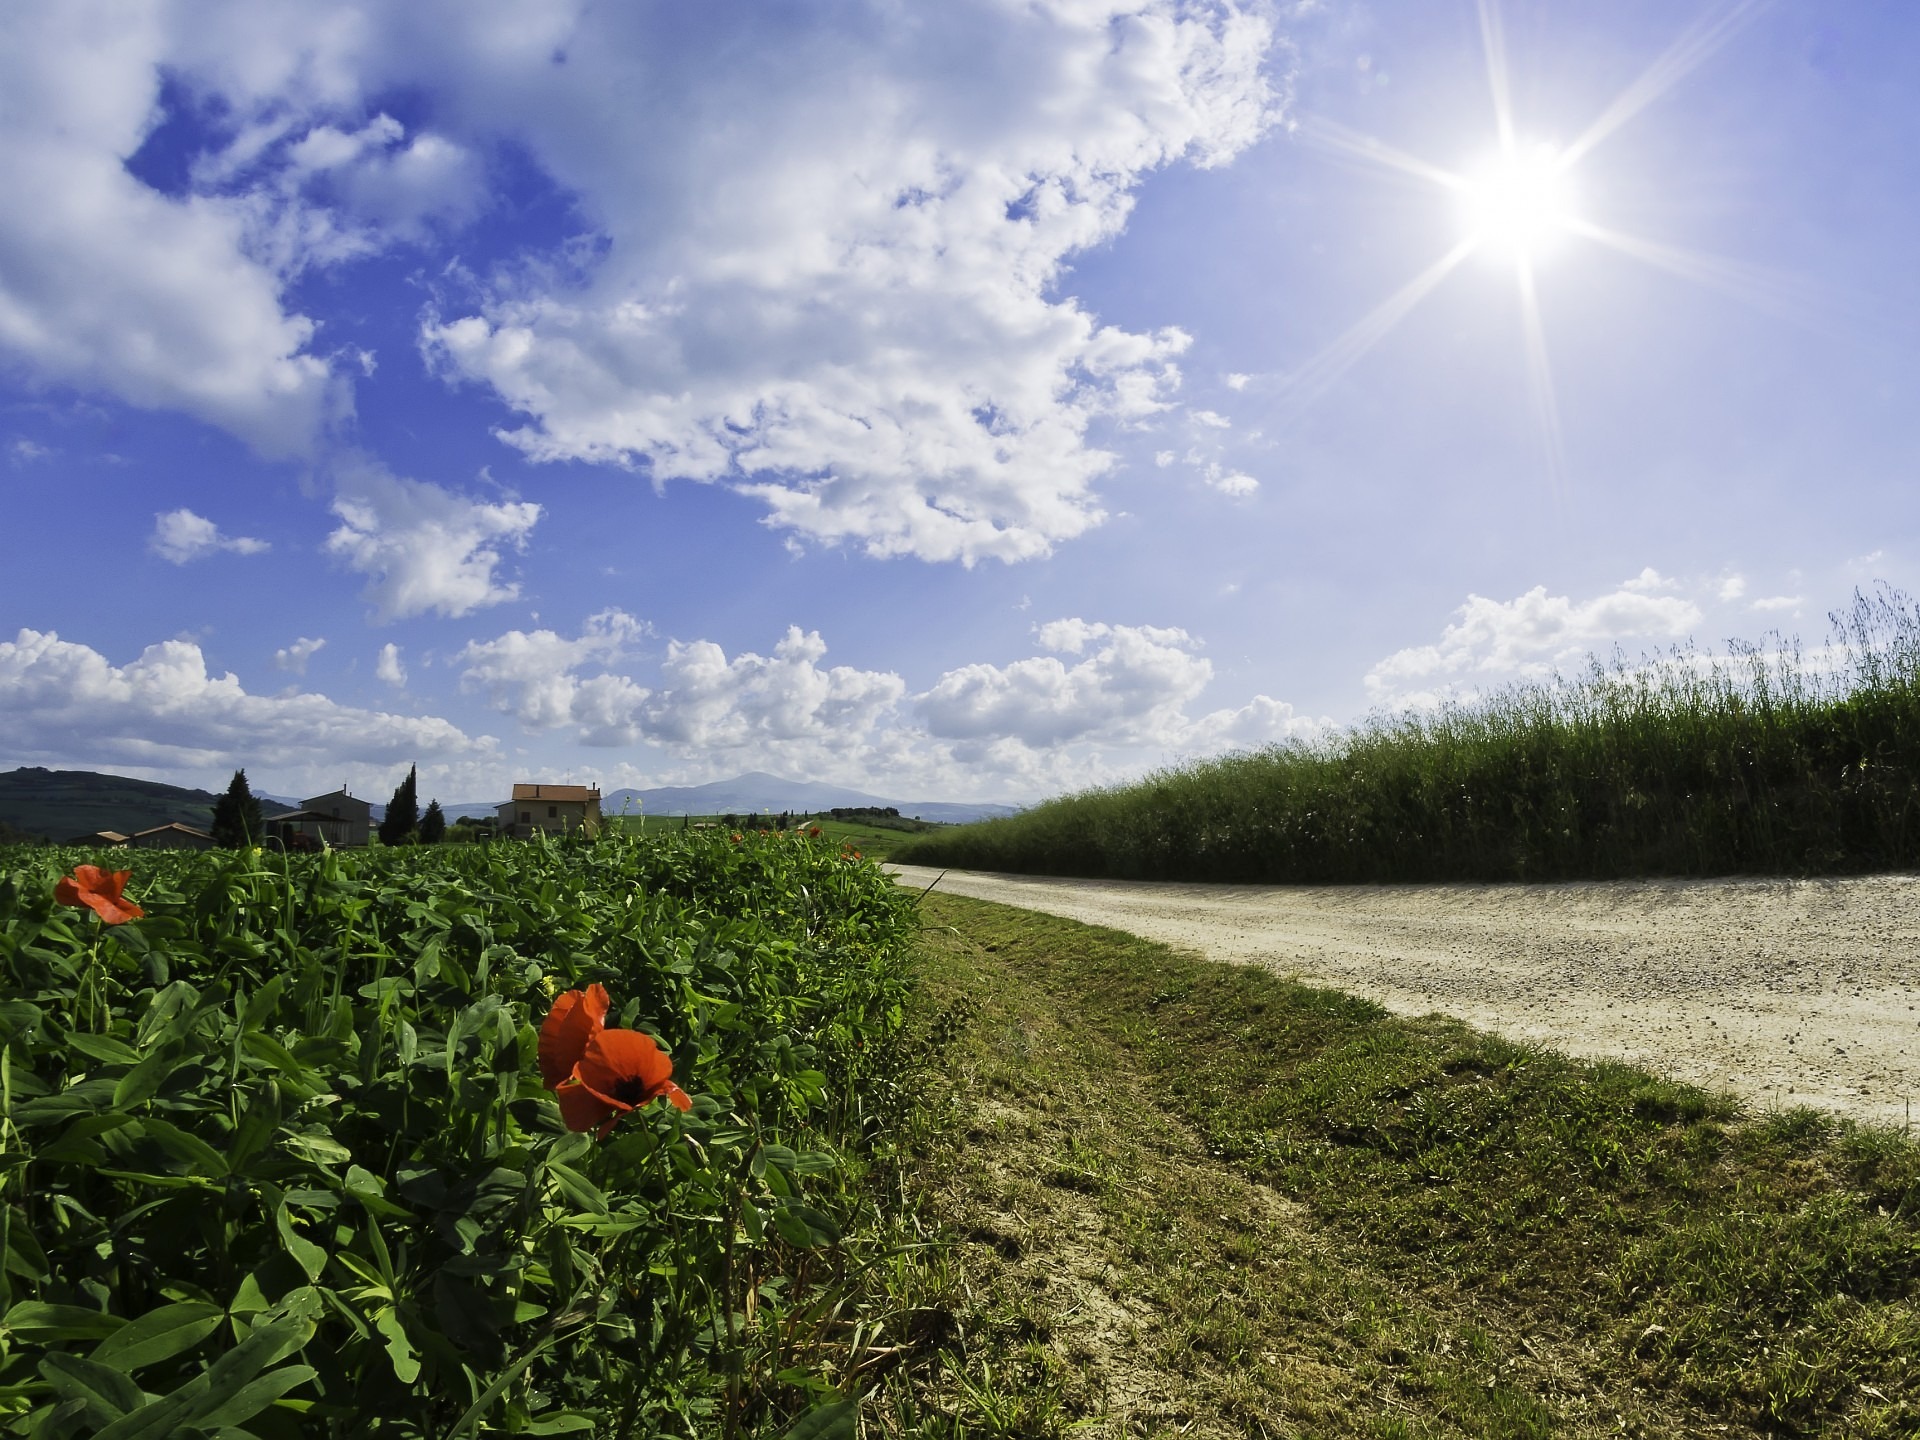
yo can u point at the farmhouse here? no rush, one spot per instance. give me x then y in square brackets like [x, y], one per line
[98, 838]
[172, 836]
[336, 819]
[554, 809]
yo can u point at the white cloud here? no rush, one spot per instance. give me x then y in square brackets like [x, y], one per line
[104, 282]
[182, 536]
[1163, 458]
[1229, 482]
[1529, 636]
[1130, 690]
[67, 704]
[25, 451]
[1733, 587]
[389, 667]
[424, 548]
[1212, 419]
[1774, 604]
[296, 655]
[530, 675]
[1238, 381]
[782, 705]
[828, 262]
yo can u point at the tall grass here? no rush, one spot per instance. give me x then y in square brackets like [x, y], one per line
[1762, 761]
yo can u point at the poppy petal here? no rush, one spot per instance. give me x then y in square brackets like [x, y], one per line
[625, 1065]
[574, 1020]
[678, 1098]
[581, 1108]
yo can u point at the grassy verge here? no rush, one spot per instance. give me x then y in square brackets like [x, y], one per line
[1761, 762]
[1196, 1199]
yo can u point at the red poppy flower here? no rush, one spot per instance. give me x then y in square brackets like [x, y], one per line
[620, 1071]
[576, 1018]
[598, 1074]
[98, 890]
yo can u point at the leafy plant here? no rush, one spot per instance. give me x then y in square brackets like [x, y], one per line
[277, 1158]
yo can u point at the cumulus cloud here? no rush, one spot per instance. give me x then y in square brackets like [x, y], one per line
[66, 703]
[1131, 689]
[296, 655]
[827, 271]
[388, 666]
[181, 536]
[1229, 482]
[988, 730]
[104, 282]
[531, 675]
[1530, 636]
[425, 548]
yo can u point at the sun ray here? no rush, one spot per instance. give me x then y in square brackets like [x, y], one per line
[1546, 403]
[1319, 374]
[1772, 291]
[1695, 44]
[1337, 139]
[1493, 39]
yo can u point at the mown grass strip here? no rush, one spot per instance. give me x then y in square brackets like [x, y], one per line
[1194, 1198]
[1760, 762]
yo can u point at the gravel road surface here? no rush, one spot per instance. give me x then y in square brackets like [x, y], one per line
[1787, 992]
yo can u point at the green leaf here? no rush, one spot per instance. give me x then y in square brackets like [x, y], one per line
[307, 1255]
[564, 1424]
[106, 1393]
[805, 1226]
[263, 1003]
[139, 1083]
[256, 1126]
[206, 1393]
[256, 1395]
[158, 1335]
[103, 1048]
[321, 1149]
[170, 1015]
[582, 1191]
[31, 1320]
[183, 1145]
[263, 1046]
[406, 1365]
[827, 1422]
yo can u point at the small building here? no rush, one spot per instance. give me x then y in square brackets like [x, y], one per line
[354, 814]
[98, 838]
[552, 809]
[334, 820]
[171, 836]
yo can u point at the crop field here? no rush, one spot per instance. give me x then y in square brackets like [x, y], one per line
[1766, 761]
[296, 1150]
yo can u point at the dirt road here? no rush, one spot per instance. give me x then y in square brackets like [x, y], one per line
[1800, 992]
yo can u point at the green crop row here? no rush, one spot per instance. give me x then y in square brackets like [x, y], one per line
[276, 1159]
[1766, 761]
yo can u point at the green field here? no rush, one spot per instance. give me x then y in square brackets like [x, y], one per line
[278, 1160]
[872, 841]
[1764, 762]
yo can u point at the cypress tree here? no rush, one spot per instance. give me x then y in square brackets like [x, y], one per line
[236, 815]
[433, 824]
[403, 812]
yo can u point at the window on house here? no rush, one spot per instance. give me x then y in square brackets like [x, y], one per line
[552, 810]
[526, 817]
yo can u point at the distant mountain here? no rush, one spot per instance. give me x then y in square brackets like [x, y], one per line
[63, 803]
[756, 791]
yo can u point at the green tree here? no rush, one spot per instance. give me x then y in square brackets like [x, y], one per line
[433, 824]
[236, 815]
[403, 812]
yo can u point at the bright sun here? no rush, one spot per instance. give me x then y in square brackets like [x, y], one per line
[1518, 205]
[1519, 202]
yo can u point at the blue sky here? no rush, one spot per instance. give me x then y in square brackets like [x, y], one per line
[970, 401]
